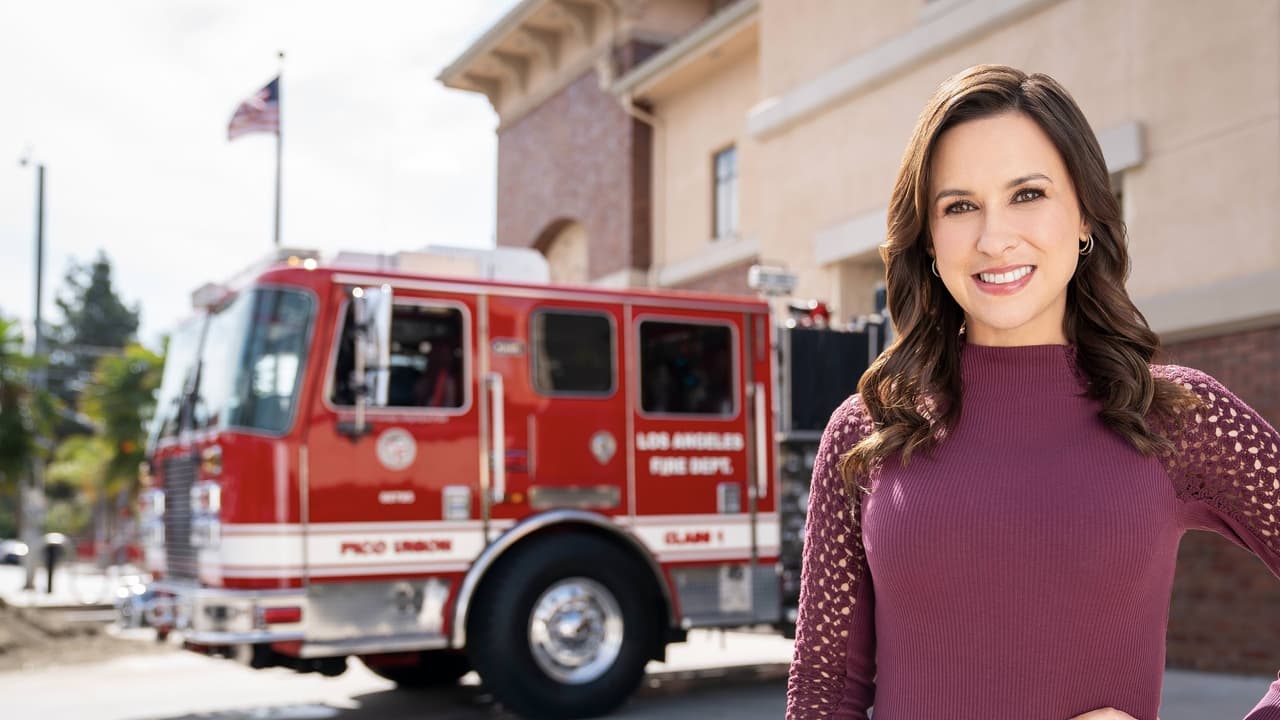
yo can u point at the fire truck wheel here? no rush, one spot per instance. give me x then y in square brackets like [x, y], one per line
[435, 668]
[564, 629]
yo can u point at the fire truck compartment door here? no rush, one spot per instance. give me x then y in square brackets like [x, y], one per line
[692, 431]
[563, 405]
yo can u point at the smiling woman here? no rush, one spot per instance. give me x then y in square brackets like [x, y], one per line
[1000, 231]
[994, 517]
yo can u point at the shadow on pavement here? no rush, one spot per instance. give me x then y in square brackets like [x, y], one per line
[740, 693]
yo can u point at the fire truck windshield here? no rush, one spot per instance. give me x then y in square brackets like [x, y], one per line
[179, 372]
[240, 367]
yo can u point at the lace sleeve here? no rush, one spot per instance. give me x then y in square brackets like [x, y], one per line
[1224, 469]
[833, 670]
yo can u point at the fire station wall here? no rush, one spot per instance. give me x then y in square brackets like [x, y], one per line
[698, 121]
[1224, 600]
[1202, 83]
[566, 252]
[802, 38]
[854, 284]
[728, 279]
[578, 157]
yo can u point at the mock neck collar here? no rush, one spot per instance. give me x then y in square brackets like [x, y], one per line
[1025, 370]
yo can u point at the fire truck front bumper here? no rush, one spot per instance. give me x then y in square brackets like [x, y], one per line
[214, 616]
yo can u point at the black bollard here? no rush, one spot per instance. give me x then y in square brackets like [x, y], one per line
[54, 543]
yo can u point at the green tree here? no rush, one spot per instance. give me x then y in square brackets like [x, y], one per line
[74, 482]
[95, 323]
[120, 398]
[25, 421]
[101, 471]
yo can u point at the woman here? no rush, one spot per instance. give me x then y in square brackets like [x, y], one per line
[995, 516]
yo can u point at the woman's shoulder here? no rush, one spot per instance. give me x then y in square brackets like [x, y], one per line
[850, 420]
[1216, 416]
[1225, 452]
[1197, 381]
[1211, 395]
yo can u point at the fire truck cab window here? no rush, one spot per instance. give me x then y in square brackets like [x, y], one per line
[686, 368]
[426, 358]
[573, 353]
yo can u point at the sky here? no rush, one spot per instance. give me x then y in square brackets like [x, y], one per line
[126, 103]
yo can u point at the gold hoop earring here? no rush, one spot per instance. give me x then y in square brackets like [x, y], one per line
[934, 265]
[1087, 246]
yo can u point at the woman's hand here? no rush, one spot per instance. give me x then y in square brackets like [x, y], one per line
[1106, 714]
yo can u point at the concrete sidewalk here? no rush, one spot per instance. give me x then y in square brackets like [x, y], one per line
[74, 584]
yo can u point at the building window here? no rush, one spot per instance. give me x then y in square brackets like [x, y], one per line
[725, 193]
[573, 353]
[427, 352]
[686, 368]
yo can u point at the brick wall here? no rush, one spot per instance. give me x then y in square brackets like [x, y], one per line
[578, 156]
[1225, 612]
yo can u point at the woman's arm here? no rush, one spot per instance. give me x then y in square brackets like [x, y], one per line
[1225, 470]
[833, 670]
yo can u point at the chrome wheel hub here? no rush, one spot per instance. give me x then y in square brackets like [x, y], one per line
[575, 630]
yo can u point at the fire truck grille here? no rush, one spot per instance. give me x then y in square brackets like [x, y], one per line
[179, 475]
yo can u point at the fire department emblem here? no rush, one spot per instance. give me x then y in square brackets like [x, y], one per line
[396, 449]
[603, 446]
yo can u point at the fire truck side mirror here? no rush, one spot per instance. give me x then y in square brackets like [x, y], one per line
[371, 308]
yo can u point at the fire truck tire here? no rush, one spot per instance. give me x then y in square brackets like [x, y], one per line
[435, 668]
[564, 629]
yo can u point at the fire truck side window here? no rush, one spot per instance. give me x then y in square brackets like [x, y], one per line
[686, 368]
[572, 353]
[427, 354]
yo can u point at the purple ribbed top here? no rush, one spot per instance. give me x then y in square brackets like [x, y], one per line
[1023, 569]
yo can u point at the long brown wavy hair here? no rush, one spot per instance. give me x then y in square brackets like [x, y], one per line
[912, 392]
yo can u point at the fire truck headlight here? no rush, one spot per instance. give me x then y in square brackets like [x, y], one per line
[206, 532]
[206, 497]
[151, 503]
[211, 461]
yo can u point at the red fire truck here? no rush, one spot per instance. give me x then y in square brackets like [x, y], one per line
[437, 473]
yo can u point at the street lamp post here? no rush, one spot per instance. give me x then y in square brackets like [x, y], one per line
[33, 494]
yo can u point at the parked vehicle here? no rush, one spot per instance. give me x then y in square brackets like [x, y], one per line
[549, 484]
[13, 552]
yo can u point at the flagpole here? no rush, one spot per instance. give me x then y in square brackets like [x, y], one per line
[279, 141]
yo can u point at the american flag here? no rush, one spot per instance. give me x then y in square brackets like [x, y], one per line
[260, 113]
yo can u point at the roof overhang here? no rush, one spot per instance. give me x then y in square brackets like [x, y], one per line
[732, 27]
[532, 30]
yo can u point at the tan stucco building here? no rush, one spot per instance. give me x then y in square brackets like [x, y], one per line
[771, 131]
